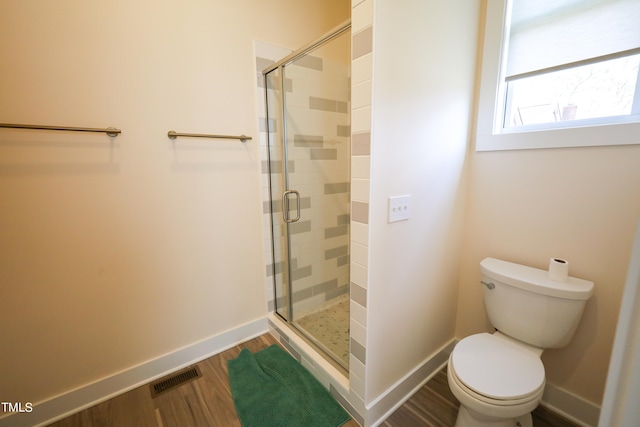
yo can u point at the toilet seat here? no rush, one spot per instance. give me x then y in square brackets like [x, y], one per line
[497, 371]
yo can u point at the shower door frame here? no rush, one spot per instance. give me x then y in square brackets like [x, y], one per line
[285, 204]
[287, 272]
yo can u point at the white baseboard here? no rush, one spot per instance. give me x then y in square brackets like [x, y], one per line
[570, 406]
[91, 394]
[58, 407]
[562, 402]
[381, 408]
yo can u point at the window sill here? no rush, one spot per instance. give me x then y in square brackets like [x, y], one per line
[584, 136]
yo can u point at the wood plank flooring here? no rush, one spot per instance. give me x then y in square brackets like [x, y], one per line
[207, 401]
[435, 406]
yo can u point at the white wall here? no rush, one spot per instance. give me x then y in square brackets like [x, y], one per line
[423, 84]
[117, 251]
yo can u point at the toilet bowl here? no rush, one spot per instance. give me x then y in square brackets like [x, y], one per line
[497, 381]
[499, 378]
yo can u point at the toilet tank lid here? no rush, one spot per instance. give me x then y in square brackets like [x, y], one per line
[535, 280]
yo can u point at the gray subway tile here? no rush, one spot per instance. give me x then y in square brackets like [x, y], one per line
[336, 188]
[272, 125]
[277, 267]
[309, 61]
[358, 351]
[301, 273]
[276, 166]
[325, 286]
[358, 294]
[361, 144]
[299, 227]
[323, 154]
[292, 350]
[362, 43]
[323, 104]
[350, 409]
[288, 85]
[343, 131]
[305, 202]
[302, 294]
[262, 63]
[336, 252]
[360, 212]
[276, 205]
[340, 230]
[343, 260]
[338, 291]
[343, 219]
[273, 82]
[271, 206]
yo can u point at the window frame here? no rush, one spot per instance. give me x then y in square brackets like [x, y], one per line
[490, 136]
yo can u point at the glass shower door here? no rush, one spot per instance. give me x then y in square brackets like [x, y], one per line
[278, 184]
[310, 157]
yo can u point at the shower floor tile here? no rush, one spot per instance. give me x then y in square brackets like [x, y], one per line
[329, 326]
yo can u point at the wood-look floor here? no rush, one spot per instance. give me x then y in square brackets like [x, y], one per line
[207, 401]
[435, 405]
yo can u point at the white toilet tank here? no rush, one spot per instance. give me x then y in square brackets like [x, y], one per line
[523, 303]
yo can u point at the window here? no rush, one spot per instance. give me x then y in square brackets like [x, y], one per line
[557, 66]
[603, 89]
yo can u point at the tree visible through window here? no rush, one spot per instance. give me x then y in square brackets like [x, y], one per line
[571, 61]
[603, 89]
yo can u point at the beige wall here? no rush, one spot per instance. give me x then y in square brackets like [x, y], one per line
[113, 252]
[581, 204]
[422, 98]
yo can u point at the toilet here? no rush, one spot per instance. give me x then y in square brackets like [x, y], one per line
[499, 377]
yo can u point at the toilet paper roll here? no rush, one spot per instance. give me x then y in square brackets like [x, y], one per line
[558, 269]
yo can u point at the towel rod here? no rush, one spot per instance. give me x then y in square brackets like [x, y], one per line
[173, 135]
[111, 131]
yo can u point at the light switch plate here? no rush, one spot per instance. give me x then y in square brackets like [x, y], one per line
[399, 208]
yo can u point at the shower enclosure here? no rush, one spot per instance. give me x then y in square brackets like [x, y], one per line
[308, 119]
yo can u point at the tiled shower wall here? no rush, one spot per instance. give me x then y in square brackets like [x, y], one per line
[319, 163]
[362, 14]
[317, 100]
[361, 105]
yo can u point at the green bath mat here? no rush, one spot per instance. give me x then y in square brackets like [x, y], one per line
[271, 389]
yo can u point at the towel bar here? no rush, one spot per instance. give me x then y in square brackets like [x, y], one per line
[111, 131]
[173, 135]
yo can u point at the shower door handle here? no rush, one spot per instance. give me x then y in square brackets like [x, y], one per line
[285, 206]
